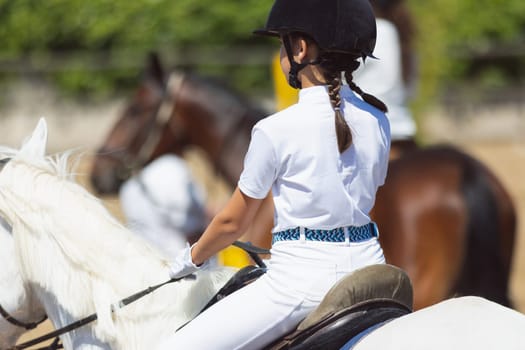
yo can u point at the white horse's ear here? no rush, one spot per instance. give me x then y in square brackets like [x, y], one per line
[35, 145]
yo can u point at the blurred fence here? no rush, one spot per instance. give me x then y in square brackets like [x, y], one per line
[462, 111]
[122, 59]
[470, 113]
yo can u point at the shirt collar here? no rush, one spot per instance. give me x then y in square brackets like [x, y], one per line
[319, 94]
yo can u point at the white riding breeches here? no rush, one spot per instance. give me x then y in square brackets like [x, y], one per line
[299, 274]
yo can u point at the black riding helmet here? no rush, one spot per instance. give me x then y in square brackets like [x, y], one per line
[345, 26]
[385, 5]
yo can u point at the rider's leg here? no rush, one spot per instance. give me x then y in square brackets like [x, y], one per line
[299, 275]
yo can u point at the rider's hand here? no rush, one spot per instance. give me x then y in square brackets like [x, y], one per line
[183, 265]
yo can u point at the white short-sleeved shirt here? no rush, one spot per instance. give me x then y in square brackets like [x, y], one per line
[294, 153]
[383, 78]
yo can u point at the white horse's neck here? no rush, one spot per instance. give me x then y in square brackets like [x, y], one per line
[14, 297]
[81, 260]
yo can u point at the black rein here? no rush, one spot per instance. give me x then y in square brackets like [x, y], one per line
[248, 247]
[88, 319]
[27, 325]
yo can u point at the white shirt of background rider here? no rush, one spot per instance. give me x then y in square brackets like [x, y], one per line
[164, 204]
[383, 78]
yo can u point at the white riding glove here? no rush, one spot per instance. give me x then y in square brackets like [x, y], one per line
[182, 265]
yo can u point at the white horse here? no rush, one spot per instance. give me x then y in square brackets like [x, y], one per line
[456, 324]
[16, 298]
[79, 260]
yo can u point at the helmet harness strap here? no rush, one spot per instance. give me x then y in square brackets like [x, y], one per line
[293, 75]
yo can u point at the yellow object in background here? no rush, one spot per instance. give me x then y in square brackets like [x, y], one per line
[233, 256]
[285, 95]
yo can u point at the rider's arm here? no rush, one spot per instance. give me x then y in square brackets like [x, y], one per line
[226, 227]
[260, 231]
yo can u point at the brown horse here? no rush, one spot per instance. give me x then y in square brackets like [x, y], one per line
[443, 216]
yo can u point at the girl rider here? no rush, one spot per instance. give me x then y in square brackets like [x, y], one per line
[323, 159]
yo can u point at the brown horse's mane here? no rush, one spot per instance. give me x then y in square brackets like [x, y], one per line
[219, 91]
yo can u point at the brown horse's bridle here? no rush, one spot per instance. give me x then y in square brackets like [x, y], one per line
[161, 120]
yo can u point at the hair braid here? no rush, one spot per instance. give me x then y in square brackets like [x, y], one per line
[374, 101]
[333, 64]
[342, 130]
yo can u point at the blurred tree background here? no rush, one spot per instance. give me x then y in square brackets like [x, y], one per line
[470, 49]
[97, 47]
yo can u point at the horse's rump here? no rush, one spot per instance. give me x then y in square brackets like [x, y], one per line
[445, 218]
[457, 323]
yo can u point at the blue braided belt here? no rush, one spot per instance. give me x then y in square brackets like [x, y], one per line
[355, 234]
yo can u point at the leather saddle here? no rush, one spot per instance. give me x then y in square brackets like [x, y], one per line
[360, 301]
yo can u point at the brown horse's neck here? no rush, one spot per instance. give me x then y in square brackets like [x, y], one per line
[219, 121]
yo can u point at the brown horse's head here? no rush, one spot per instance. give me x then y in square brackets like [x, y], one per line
[118, 157]
[168, 113]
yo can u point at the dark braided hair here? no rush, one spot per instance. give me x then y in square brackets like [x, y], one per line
[333, 65]
[342, 130]
[371, 99]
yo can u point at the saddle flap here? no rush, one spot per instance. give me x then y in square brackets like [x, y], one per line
[381, 281]
[347, 326]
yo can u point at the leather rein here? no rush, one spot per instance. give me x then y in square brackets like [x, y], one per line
[88, 319]
[16, 322]
[248, 247]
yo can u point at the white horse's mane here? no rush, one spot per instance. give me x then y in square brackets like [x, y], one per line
[70, 246]
[15, 298]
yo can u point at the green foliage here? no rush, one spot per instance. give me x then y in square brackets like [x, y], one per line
[29, 25]
[453, 35]
[98, 28]
[119, 33]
